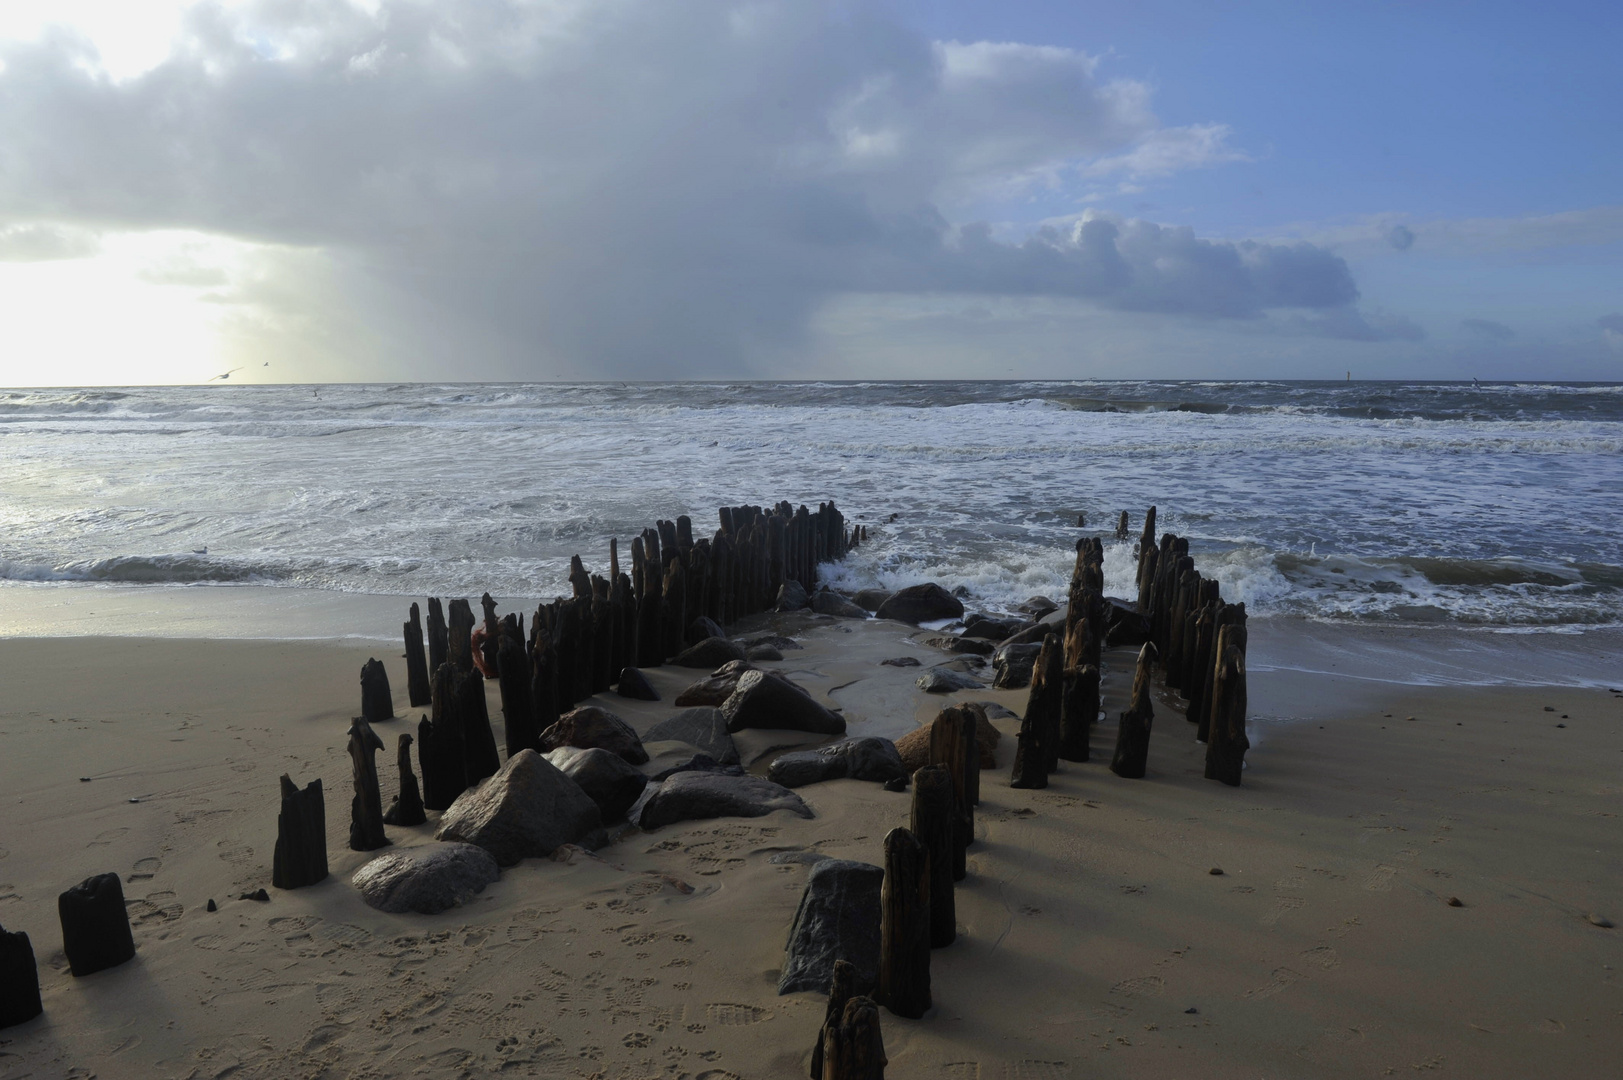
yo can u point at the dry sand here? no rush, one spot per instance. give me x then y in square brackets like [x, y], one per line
[1094, 941]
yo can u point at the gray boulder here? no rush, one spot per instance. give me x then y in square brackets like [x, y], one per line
[606, 778]
[901, 661]
[1014, 664]
[716, 688]
[1037, 606]
[527, 810]
[1124, 623]
[920, 604]
[829, 602]
[764, 700]
[763, 653]
[979, 626]
[704, 729]
[696, 763]
[426, 880]
[944, 681]
[591, 726]
[694, 796]
[791, 597]
[702, 627]
[871, 599]
[775, 641]
[869, 758]
[993, 710]
[709, 653]
[634, 684]
[838, 919]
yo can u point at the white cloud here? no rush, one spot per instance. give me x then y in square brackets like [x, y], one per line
[495, 188]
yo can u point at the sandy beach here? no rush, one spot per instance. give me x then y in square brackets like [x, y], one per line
[1094, 938]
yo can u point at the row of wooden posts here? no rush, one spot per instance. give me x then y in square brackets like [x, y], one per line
[576, 646]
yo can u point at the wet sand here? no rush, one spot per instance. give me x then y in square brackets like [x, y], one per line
[1090, 922]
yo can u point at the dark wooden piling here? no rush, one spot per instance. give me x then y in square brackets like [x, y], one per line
[1122, 527]
[407, 807]
[841, 989]
[300, 858]
[516, 682]
[1226, 741]
[416, 661]
[440, 756]
[459, 640]
[439, 636]
[953, 747]
[19, 979]
[904, 927]
[377, 702]
[1133, 734]
[1044, 699]
[478, 741]
[366, 808]
[854, 1048]
[95, 925]
[934, 822]
[673, 616]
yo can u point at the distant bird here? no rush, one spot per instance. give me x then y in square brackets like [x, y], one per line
[204, 550]
[227, 375]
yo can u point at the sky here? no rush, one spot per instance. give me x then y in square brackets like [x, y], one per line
[396, 190]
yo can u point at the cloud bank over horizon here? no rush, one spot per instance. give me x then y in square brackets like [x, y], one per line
[495, 189]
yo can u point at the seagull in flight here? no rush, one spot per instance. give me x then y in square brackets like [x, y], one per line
[227, 375]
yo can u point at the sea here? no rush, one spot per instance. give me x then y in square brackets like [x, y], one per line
[1481, 508]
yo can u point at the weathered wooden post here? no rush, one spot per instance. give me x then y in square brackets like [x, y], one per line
[407, 807]
[518, 706]
[439, 636]
[1079, 699]
[904, 927]
[934, 823]
[841, 989]
[377, 702]
[1133, 734]
[650, 605]
[953, 746]
[1121, 527]
[478, 741]
[19, 979]
[1226, 741]
[1043, 701]
[95, 926]
[674, 616]
[604, 672]
[492, 642]
[416, 661]
[459, 642]
[854, 1049]
[300, 858]
[440, 754]
[366, 808]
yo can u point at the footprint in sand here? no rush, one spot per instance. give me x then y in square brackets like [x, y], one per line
[1280, 979]
[238, 854]
[1148, 986]
[106, 838]
[1380, 879]
[728, 1014]
[962, 1070]
[1282, 904]
[1322, 956]
[144, 870]
[1032, 1069]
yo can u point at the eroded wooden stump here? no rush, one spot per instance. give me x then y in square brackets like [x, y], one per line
[1133, 735]
[407, 807]
[301, 836]
[934, 822]
[416, 661]
[904, 927]
[95, 927]
[854, 1049]
[19, 980]
[377, 703]
[366, 808]
[1226, 741]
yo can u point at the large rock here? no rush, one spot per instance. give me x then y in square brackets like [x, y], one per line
[988, 629]
[961, 646]
[764, 700]
[1124, 623]
[605, 777]
[775, 641]
[944, 681]
[591, 726]
[921, 604]
[763, 654]
[838, 919]
[717, 687]
[829, 602]
[634, 684]
[870, 758]
[696, 763]
[1014, 664]
[1037, 606]
[791, 597]
[709, 653]
[427, 880]
[703, 729]
[914, 747]
[694, 796]
[527, 810]
[871, 599]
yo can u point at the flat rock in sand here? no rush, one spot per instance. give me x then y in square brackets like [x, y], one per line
[943, 681]
[634, 684]
[921, 604]
[704, 729]
[838, 919]
[869, 758]
[959, 645]
[527, 810]
[828, 602]
[709, 653]
[694, 796]
[427, 880]
[764, 700]
[715, 688]
[871, 599]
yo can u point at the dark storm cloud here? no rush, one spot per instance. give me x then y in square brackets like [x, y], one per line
[635, 189]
